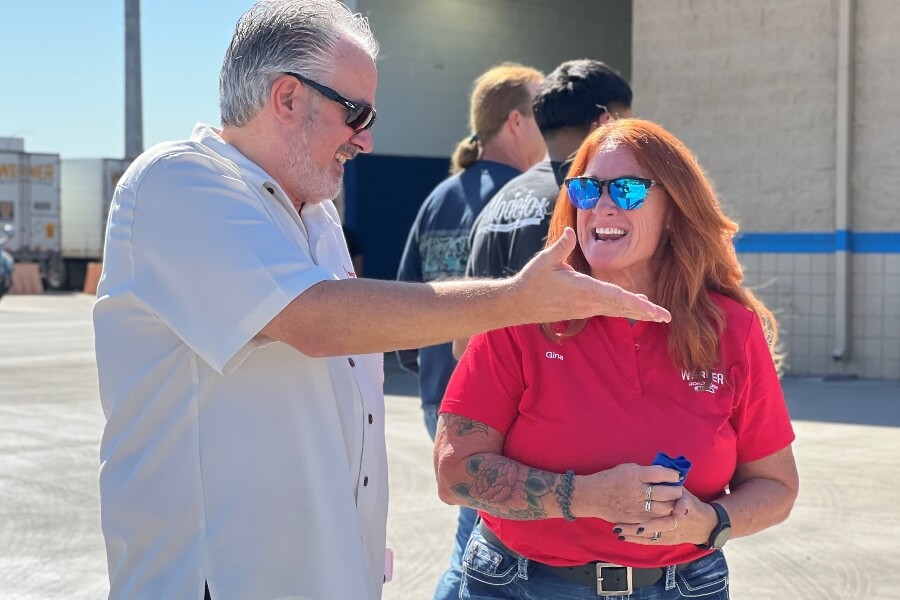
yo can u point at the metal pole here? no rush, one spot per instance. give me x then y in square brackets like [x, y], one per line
[134, 119]
[843, 184]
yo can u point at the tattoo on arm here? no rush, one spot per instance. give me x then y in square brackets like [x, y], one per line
[463, 425]
[506, 488]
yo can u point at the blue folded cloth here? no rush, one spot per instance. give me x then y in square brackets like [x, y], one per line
[679, 463]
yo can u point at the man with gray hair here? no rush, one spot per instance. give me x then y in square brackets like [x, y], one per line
[239, 359]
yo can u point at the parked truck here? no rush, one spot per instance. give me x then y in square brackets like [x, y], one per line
[87, 187]
[30, 202]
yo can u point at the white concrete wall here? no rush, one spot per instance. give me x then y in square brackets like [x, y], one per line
[750, 87]
[432, 50]
[876, 165]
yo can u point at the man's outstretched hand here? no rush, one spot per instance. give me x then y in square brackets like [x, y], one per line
[550, 290]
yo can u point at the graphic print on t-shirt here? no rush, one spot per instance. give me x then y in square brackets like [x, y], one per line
[444, 254]
[515, 209]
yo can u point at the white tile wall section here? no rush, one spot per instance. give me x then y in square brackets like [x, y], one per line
[822, 264]
[802, 263]
[820, 305]
[891, 327]
[891, 349]
[892, 265]
[803, 302]
[873, 328]
[821, 283]
[891, 369]
[890, 284]
[891, 306]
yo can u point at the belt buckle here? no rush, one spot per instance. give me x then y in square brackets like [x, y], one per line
[602, 592]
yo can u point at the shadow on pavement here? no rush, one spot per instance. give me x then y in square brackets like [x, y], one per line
[854, 401]
[398, 382]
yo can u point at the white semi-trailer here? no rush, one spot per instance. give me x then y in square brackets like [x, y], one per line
[87, 186]
[30, 201]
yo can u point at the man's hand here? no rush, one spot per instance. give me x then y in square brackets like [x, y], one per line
[550, 290]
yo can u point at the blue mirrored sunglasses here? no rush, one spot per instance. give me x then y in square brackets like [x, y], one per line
[628, 193]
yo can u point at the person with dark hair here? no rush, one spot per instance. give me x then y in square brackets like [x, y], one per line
[574, 99]
[565, 435]
[504, 141]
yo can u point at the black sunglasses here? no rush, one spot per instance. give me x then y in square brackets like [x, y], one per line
[361, 116]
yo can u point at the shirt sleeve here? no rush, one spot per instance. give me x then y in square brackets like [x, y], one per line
[488, 383]
[210, 261]
[760, 417]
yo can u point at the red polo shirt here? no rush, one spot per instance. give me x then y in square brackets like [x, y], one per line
[612, 395]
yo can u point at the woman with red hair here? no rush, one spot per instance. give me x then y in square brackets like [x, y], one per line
[550, 431]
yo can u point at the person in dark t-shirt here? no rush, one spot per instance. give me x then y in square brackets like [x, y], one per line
[505, 140]
[576, 98]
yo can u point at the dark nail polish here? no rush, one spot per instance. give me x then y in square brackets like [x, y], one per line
[640, 530]
[621, 538]
[617, 530]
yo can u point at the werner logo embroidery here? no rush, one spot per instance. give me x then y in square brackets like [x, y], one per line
[703, 381]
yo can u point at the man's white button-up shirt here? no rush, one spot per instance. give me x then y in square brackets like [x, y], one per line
[227, 457]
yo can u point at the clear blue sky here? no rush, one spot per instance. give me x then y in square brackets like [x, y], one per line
[62, 80]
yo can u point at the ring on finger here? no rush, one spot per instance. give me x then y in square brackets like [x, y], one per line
[656, 535]
[676, 523]
[648, 505]
[648, 492]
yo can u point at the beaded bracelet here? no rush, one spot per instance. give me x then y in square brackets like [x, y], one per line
[564, 494]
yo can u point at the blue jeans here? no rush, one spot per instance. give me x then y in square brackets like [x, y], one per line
[449, 583]
[489, 573]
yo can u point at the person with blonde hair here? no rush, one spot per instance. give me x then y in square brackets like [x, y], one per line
[504, 141]
[565, 435]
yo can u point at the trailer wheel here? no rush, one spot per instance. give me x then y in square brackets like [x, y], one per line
[56, 275]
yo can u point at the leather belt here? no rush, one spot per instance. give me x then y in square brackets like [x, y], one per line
[609, 579]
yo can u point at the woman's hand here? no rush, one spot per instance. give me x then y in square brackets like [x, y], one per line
[762, 494]
[689, 522]
[620, 494]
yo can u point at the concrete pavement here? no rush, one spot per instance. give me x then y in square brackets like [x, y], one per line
[840, 542]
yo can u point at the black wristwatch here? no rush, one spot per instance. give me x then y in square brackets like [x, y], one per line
[722, 530]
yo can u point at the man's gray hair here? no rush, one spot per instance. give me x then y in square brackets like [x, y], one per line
[284, 35]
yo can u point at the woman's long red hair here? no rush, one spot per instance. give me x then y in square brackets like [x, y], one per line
[696, 256]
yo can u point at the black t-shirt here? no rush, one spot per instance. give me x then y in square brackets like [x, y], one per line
[513, 226]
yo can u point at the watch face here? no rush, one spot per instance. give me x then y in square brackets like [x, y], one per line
[721, 537]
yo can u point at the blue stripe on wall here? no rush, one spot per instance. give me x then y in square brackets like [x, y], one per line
[887, 242]
[383, 194]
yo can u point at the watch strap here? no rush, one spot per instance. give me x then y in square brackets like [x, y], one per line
[722, 521]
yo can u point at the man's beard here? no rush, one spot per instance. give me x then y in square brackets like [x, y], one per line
[311, 183]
